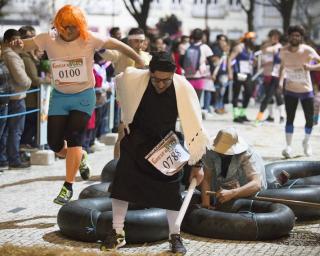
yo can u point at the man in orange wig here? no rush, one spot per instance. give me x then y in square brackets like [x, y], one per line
[70, 48]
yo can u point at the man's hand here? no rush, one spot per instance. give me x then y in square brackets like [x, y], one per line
[197, 173]
[17, 44]
[225, 195]
[311, 67]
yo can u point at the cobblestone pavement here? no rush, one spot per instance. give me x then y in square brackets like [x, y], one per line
[28, 215]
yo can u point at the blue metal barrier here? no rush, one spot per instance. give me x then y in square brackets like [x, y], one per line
[21, 113]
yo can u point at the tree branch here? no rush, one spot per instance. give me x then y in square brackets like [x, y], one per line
[243, 7]
[129, 10]
[276, 4]
[134, 8]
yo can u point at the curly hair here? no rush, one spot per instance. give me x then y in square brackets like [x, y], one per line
[296, 28]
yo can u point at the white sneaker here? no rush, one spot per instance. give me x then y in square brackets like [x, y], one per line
[98, 146]
[287, 152]
[306, 148]
[98, 143]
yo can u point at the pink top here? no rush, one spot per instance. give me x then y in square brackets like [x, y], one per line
[74, 75]
[268, 58]
[298, 79]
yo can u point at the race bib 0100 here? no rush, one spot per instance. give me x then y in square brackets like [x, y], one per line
[69, 71]
[169, 156]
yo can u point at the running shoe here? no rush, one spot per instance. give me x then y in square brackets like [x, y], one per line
[64, 196]
[113, 241]
[176, 244]
[84, 167]
[287, 152]
[306, 148]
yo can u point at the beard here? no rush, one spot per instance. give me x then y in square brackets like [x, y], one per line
[295, 43]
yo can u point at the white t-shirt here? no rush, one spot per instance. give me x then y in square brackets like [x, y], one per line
[298, 79]
[205, 52]
[79, 54]
[268, 57]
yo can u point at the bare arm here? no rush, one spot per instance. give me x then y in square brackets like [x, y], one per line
[249, 189]
[232, 56]
[114, 44]
[281, 76]
[310, 67]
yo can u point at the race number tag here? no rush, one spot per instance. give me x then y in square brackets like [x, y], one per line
[267, 57]
[69, 71]
[297, 75]
[245, 67]
[276, 70]
[168, 156]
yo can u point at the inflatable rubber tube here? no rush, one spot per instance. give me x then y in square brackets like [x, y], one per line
[96, 190]
[89, 219]
[109, 170]
[296, 169]
[299, 193]
[247, 220]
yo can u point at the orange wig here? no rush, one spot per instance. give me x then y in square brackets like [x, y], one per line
[70, 15]
[248, 35]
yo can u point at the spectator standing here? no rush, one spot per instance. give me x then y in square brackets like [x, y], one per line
[10, 141]
[220, 70]
[5, 89]
[195, 61]
[28, 139]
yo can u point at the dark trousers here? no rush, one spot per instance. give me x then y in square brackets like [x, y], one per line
[29, 135]
[102, 120]
[271, 89]
[247, 93]
[291, 104]
[10, 140]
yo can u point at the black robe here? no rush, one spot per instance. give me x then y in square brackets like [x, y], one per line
[136, 180]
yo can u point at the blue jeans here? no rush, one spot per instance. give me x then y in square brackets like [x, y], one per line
[207, 100]
[3, 122]
[103, 116]
[12, 134]
[220, 89]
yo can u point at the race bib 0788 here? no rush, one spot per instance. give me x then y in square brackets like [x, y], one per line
[70, 71]
[169, 156]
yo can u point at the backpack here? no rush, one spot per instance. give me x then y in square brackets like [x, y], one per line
[5, 87]
[191, 60]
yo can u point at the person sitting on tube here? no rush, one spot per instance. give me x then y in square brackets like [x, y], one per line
[232, 169]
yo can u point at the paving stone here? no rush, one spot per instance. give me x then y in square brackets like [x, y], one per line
[34, 189]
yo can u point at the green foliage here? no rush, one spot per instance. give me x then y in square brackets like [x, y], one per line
[169, 25]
